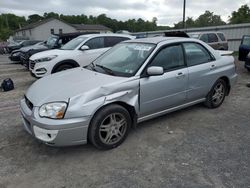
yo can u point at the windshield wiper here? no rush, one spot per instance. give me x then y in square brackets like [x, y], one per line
[109, 71]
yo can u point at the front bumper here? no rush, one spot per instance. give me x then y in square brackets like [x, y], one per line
[64, 132]
[39, 70]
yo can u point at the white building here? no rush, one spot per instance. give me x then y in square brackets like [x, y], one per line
[43, 29]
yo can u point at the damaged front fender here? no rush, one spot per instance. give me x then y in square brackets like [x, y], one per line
[89, 102]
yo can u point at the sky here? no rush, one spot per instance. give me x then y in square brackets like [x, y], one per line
[167, 12]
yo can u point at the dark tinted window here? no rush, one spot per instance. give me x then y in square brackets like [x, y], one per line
[222, 37]
[111, 41]
[95, 43]
[169, 58]
[204, 38]
[212, 37]
[196, 54]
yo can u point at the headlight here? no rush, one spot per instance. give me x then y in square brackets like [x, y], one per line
[55, 110]
[49, 58]
[16, 54]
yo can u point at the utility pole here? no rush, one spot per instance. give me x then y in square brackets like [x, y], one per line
[184, 15]
[7, 22]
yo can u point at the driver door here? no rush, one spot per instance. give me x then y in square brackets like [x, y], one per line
[158, 93]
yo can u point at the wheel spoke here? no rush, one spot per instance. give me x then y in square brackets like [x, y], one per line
[112, 118]
[105, 128]
[121, 123]
[119, 133]
[108, 137]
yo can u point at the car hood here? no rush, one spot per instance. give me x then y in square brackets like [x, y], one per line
[71, 83]
[52, 52]
[36, 46]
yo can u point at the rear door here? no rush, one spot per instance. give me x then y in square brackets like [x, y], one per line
[202, 70]
[158, 93]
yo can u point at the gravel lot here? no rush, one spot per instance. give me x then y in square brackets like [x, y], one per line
[194, 147]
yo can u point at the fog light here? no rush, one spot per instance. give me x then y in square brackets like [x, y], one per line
[41, 71]
[44, 134]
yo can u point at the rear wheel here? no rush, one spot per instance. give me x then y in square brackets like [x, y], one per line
[217, 94]
[109, 127]
[63, 67]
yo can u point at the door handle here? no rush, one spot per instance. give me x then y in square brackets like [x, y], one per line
[180, 75]
[212, 67]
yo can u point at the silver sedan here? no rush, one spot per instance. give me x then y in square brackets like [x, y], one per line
[132, 82]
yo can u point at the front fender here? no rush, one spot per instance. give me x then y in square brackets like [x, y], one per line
[88, 103]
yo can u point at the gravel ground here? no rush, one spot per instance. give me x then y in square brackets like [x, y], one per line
[194, 147]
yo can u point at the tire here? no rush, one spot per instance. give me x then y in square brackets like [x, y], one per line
[248, 69]
[109, 127]
[63, 67]
[217, 94]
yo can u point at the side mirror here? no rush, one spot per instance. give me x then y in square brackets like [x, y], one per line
[155, 71]
[84, 47]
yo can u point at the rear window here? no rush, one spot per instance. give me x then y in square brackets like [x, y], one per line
[222, 37]
[246, 40]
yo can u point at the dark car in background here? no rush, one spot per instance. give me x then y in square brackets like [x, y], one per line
[15, 55]
[55, 41]
[216, 40]
[244, 51]
[15, 46]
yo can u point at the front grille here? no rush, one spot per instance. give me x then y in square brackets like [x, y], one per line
[28, 103]
[31, 64]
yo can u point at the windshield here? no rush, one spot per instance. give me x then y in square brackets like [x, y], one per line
[51, 41]
[71, 45]
[124, 59]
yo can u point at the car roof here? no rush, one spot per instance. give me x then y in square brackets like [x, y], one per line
[157, 40]
[106, 34]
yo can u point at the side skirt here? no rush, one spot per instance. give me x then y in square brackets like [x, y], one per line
[150, 116]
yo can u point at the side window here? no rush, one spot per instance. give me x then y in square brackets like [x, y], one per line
[170, 57]
[196, 54]
[212, 37]
[221, 36]
[111, 41]
[246, 40]
[204, 38]
[95, 43]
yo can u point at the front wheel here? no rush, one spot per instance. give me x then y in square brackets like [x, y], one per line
[217, 94]
[63, 67]
[109, 127]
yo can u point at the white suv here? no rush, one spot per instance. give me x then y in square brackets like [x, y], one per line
[80, 51]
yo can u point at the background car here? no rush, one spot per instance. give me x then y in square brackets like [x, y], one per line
[16, 46]
[244, 51]
[16, 54]
[77, 52]
[55, 41]
[134, 81]
[216, 40]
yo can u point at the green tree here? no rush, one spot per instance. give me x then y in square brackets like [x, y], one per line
[34, 18]
[208, 19]
[242, 15]
[50, 15]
